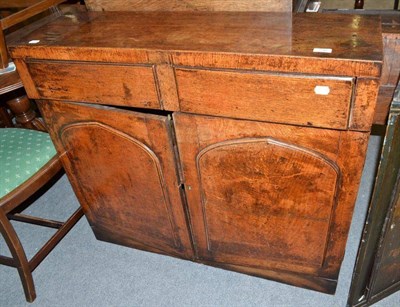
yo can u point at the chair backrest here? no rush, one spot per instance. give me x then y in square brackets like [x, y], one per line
[190, 5]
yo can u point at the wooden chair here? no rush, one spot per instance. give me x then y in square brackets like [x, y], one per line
[28, 161]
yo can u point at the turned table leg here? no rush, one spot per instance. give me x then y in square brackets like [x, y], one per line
[24, 113]
[359, 4]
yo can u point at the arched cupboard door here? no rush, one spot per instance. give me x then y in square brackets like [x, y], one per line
[266, 198]
[122, 166]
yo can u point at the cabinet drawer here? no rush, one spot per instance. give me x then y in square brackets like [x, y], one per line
[302, 100]
[124, 85]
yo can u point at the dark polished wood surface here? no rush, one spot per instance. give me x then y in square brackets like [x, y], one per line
[82, 37]
[391, 66]
[190, 5]
[9, 82]
[15, 99]
[377, 272]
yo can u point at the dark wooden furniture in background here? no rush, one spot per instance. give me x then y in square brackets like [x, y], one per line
[12, 95]
[322, 5]
[377, 270]
[391, 66]
[8, 83]
[29, 9]
[358, 4]
[13, 202]
[258, 167]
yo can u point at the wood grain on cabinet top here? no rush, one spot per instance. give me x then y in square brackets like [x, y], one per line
[246, 40]
[190, 5]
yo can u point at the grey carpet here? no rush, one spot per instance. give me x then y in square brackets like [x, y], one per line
[82, 271]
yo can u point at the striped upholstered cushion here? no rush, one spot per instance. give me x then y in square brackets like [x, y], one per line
[22, 153]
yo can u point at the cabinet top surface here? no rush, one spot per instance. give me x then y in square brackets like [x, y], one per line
[349, 37]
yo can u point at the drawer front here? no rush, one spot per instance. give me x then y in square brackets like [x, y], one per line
[300, 100]
[124, 85]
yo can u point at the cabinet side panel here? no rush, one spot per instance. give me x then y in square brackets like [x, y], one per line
[351, 158]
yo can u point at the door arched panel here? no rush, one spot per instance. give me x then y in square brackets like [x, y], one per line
[123, 182]
[266, 199]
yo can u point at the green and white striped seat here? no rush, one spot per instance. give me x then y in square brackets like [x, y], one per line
[22, 153]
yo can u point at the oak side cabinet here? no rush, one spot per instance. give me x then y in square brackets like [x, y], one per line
[232, 139]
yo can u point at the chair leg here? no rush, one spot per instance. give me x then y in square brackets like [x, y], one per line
[19, 256]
